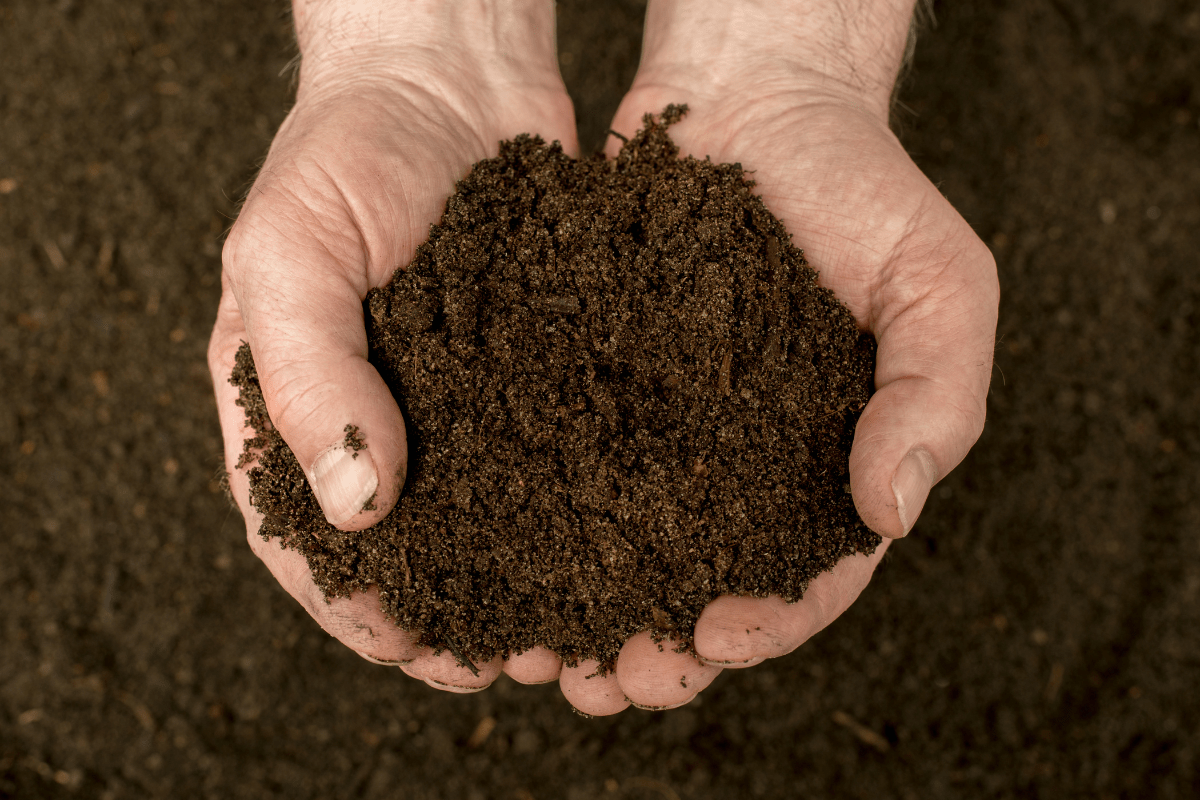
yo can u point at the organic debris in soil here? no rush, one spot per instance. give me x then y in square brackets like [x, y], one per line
[625, 394]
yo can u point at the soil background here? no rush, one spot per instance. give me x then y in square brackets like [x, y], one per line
[1035, 636]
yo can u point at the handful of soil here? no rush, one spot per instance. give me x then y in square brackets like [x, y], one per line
[625, 396]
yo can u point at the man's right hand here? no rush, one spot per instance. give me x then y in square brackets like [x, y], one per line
[395, 103]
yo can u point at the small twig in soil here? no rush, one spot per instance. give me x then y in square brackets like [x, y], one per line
[407, 570]
[463, 661]
[864, 734]
[723, 381]
[773, 255]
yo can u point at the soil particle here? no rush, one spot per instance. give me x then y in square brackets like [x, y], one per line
[625, 394]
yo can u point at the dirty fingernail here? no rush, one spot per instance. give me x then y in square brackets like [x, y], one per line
[748, 662]
[383, 662]
[663, 708]
[450, 687]
[911, 484]
[343, 481]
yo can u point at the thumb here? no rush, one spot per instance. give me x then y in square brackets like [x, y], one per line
[302, 308]
[935, 326]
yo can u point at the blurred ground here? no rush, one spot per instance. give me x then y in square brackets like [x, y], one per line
[1036, 636]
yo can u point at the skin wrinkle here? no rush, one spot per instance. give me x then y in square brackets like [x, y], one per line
[283, 413]
[929, 366]
[288, 332]
[343, 618]
[932, 360]
[897, 301]
[321, 188]
[355, 217]
[875, 439]
[448, 61]
[897, 287]
[831, 173]
[263, 241]
[867, 26]
[828, 602]
[962, 424]
[279, 284]
[834, 44]
[815, 89]
[955, 296]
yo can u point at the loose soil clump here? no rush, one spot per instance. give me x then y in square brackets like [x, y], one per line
[625, 394]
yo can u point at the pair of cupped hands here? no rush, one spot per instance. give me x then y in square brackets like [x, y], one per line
[382, 128]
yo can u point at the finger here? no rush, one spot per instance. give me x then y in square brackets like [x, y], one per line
[536, 665]
[445, 673]
[227, 336]
[591, 693]
[935, 326]
[653, 676]
[742, 631]
[299, 280]
[357, 621]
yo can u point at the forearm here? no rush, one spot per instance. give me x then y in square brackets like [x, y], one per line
[847, 45]
[500, 36]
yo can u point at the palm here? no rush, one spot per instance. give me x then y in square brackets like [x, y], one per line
[352, 182]
[879, 234]
[910, 269]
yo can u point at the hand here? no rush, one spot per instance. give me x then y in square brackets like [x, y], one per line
[799, 94]
[395, 103]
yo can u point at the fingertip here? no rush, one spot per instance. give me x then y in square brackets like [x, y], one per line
[654, 676]
[533, 666]
[590, 692]
[336, 414]
[445, 673]
[744, 631]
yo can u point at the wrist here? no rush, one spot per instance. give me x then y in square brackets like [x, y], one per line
[849, 50]
[493, 41]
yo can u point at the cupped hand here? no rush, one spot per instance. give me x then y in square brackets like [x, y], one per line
[387, 117]
[880, 236]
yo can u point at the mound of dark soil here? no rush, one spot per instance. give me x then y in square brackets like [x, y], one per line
[625, 394]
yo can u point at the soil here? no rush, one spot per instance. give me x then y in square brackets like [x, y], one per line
[625, 396]
[1033, 637]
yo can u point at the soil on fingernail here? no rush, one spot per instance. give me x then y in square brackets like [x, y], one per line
[626, 395]
[354, 441]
